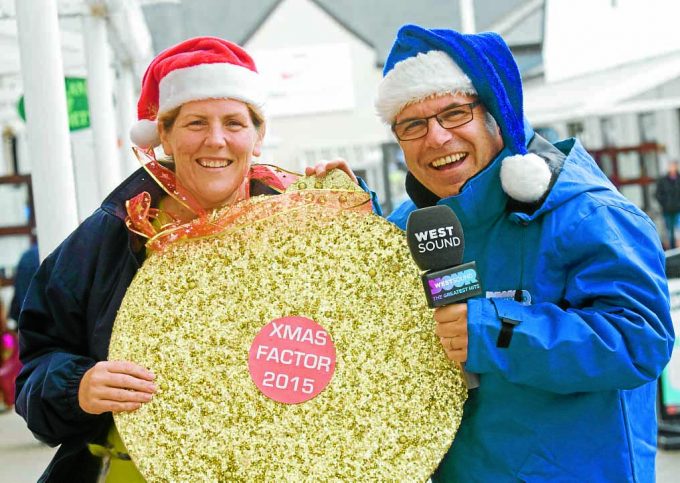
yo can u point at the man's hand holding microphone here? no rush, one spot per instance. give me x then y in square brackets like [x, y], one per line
[452, 331]
[435, 238]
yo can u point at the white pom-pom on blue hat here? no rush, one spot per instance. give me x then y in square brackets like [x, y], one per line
[525, 177]
[144, 133]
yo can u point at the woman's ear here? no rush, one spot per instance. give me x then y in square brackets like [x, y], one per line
[257, 148]
[163, 134]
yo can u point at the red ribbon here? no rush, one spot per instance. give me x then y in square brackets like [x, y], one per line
[140, 214]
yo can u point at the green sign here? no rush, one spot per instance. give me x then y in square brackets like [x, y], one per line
[76, 102]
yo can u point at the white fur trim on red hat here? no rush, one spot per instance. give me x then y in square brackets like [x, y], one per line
[417, 78]
[210, 81]
[525, 177]
[144, 133]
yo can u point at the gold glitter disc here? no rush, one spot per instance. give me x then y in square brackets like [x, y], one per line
[391, 409]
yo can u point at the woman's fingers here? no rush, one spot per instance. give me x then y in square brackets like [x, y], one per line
[125, 381]
[119, 407]
[125, 396]
[130, 368]
[115, 386]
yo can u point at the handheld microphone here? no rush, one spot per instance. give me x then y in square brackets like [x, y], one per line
[435, 238]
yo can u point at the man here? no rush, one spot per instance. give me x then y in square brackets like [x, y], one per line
[574, 328]
[668, 195]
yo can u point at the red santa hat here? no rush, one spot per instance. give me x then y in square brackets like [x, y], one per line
[198, 68]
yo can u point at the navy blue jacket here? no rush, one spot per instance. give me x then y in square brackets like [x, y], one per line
[65, 326]
[66, 322]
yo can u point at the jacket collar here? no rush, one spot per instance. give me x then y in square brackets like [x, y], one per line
[482, 197]
[141, 180]
[136, 183]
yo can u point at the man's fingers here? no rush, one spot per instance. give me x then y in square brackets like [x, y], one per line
[451, 329]
[457, 355]
[322, 167]
[450, 313]
[453, 343]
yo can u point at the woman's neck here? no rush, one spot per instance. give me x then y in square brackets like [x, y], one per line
[177, 210]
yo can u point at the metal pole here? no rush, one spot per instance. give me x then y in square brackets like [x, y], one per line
[127, 114]
[47, 121]
[467, 16]
[100, 99]
[5, 165]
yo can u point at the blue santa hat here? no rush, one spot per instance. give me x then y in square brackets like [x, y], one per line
[423, 63]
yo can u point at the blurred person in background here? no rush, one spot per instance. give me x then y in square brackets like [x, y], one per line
[574, 328]
[26, 268]
[668, 196]
[202, 100]
[9, 361]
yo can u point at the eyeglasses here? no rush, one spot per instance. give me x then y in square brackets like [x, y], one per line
[450, 117]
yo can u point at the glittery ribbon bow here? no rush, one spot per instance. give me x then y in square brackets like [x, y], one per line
[333, 192]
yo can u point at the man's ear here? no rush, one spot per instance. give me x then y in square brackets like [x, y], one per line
[261, 131]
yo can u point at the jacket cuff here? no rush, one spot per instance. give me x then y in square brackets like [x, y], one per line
[485, 322]
[71, 387]
[507, 312]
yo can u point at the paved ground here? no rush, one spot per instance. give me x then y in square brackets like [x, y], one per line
[668, 466]
[22, 458]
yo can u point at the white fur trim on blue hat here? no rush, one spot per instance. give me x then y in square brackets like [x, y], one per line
[417, 78]
[144, 133]
[525, 177]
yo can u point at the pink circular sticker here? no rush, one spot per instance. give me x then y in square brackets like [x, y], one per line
[292, 359]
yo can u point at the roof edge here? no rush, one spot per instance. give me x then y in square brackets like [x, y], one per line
[260, 22]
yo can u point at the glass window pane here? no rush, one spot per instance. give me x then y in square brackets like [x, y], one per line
[14, 202]
[629, 166]
[633, 192]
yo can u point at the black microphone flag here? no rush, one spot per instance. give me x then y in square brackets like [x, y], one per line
[435, 238]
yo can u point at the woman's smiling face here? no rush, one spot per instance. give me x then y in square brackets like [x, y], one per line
[212, 142]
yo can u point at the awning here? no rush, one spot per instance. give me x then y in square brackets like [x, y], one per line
[612, 91]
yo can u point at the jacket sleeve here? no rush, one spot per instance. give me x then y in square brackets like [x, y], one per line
[375, 203]
[53, 333]
[615, 332]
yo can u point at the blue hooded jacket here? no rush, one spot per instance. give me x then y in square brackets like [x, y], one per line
[573, 396]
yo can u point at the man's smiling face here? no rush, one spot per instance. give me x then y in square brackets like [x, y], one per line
[444, 159]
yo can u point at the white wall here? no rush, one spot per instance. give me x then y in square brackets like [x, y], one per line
[668, 123]
[588, 35]
[297, 23]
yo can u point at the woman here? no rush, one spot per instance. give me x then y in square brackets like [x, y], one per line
[203, 102]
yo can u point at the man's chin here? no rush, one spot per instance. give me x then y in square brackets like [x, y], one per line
[443, 192]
